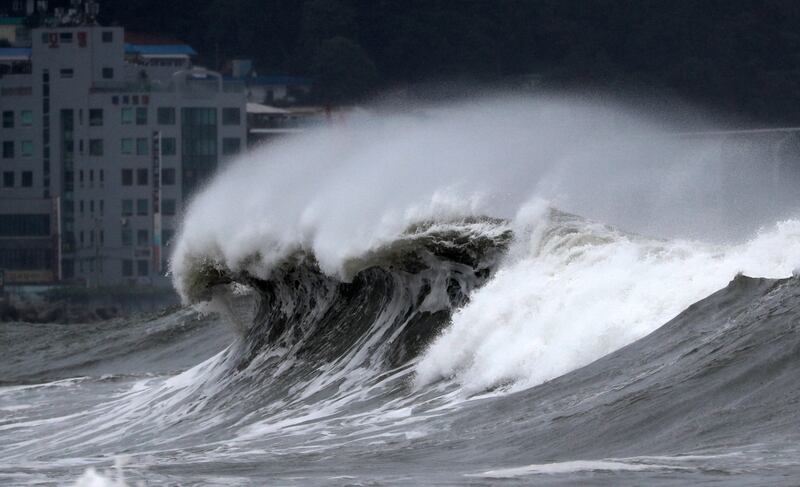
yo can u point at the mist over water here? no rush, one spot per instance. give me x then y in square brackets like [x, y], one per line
[343, 190]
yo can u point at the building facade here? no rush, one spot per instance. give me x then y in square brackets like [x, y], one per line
[102, 144]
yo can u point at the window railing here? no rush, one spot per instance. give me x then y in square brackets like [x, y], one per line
[127, 87]
[16, 91]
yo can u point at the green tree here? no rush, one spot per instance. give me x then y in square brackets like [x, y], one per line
[326, 19]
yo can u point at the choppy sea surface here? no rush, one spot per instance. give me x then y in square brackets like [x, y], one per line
[360, 383]
[510, 292]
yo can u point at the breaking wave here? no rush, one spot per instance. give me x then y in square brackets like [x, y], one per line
[510, 287]
[475, 195]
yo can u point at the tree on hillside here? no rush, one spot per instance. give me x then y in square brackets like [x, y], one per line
[342, 71]
[321, 20]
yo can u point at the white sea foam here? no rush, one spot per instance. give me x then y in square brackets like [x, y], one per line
[561, 299]
[572, 467]
[112, 478]
[571, 293]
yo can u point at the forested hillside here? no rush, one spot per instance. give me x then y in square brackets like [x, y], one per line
[741, 57]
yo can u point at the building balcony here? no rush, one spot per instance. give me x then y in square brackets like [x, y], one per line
[127, 87]
[191, 88]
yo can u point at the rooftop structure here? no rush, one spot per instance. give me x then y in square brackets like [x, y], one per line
[272, 89]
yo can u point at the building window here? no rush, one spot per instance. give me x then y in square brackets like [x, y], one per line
[141, 146]
[166, 236]
[127, 115]
[168, 146]
[168, 176]
[8, 119]
[27, 179]
[24, 225]
[142, 268]
[166, 116]
[127, 146]
[26, 148]
[26, 118]
[142, 238]
[127, 177]
[65, 37]
[108, 73]
[141, 177]
[231, 116]
[8, 149]
[8, 179]
[198, 146]
[141, 207]
[230, 146]
[127, 207]
[96, 117]
[95, 147]
[66, 73]
[127, 237]
[141, 115]
[107, 36]
[115, 100]
[127, 268]
[168, 207]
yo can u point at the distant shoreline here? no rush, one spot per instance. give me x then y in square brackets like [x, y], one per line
[81, 305]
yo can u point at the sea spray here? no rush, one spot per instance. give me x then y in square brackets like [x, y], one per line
[569, 290]
[339, 192]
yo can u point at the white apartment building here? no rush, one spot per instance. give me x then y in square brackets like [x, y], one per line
[101, 144]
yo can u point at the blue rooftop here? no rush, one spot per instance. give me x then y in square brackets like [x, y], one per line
[276, 80]
[160, 49]
[15, 52]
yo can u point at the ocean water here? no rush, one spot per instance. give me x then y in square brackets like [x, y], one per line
[506, 291]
